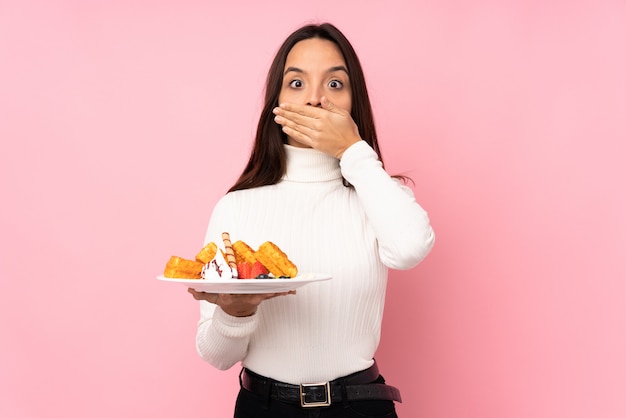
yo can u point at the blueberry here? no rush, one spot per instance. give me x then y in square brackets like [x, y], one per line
[262, 276]
[284, 277]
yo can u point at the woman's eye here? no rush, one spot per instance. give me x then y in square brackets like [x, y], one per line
[295, 83]
[335, 84]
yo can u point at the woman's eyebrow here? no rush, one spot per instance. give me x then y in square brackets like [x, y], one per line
[338, 68]
[330, 70]
[293, 69]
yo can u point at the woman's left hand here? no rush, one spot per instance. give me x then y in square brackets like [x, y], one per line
[327, 128]
[237, 305]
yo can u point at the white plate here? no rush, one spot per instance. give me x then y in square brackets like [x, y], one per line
[248, 286]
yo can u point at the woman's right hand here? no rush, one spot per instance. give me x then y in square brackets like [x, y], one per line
[237, 304]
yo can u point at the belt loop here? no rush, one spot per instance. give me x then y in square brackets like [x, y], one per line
[266, 391]
[344, 393]
[268, 395]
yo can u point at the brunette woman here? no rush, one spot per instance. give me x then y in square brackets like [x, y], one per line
[315, 184]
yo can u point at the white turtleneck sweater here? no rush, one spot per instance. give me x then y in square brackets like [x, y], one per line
[330, 328]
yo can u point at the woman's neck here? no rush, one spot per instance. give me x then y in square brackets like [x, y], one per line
[307, 165]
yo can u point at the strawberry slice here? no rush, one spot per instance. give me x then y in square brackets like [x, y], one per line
[244, 269]
[258, 269]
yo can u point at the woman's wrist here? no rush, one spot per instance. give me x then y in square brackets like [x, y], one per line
[340, 155]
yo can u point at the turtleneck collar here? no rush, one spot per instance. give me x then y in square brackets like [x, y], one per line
[307, 165]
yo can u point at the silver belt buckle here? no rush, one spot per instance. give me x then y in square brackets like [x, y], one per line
[323, 401]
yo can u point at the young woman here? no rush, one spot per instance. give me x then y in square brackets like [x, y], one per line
[316, 186]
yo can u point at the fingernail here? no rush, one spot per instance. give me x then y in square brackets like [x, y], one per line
[275, 111]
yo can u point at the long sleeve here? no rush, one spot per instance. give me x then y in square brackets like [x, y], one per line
[401, 225]
[222, 339]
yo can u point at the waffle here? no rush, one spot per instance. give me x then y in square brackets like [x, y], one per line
[275, 260]
[180, 268]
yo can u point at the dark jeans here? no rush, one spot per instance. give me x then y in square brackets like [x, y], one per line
[252, 405]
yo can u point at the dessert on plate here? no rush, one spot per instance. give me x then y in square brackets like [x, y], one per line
[235, 261]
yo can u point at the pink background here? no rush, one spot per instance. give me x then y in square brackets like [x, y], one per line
[122, 122]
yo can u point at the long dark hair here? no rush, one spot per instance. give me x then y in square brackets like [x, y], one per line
[268, 160]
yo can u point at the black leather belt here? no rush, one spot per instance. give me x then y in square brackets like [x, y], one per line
[355, 387]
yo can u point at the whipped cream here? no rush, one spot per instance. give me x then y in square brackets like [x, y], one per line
[218, 268]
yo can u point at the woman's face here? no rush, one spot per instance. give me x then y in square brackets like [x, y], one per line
[315, 68]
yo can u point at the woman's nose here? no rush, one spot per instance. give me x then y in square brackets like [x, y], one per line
[315, 97]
